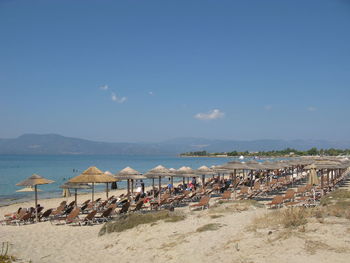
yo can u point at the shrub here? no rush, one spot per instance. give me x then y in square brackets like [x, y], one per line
[208, 227]
[293, 217]
[4, 257]
[129, 221]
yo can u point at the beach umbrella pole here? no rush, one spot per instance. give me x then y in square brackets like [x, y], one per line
[132, 186]
[251, 179]
[153, 186]
[107, 190]
[93, 190]
[128, 186]
[172, 184]
[36, 203]
[76, 199]
[160, 188]
[234, 182]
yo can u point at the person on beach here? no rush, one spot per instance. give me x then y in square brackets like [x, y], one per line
[142, 186]
[194, 183]
[138, 187]
[170, 185]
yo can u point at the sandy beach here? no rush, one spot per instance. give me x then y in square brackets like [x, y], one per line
[225, 232]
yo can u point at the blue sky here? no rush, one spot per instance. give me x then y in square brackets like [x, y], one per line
[155, 70]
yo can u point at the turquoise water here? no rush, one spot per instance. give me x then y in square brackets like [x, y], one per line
[15, 168]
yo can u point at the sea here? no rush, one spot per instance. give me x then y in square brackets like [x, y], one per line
[60, 168]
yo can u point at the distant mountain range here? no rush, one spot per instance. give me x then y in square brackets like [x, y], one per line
[57, 144]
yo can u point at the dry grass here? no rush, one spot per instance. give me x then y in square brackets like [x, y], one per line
[175, 241]
[338, 195]
[216, 216]
[208, 227]
[7, 259]
[311, 247]
[4, 257]
[335, 204]
[234, 206]
[288, 218]
[294, 217]
[125, 222]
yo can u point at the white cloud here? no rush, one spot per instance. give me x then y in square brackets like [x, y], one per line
[211, 115]
[268, 107]
[311, 108]
[117, 99]
[150, 93]
[104, 87]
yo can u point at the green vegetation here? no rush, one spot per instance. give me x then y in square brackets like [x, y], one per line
[285, 152]
[4, 257]
[335, 197]
[335, 204]
[125, 222]
[236, 206]
[208, 227]
[216, 216]
[199, 153]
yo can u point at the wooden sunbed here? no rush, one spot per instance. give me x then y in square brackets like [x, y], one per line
[203, 203]
[277, 201]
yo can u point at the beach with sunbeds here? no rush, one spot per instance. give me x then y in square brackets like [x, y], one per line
[239, 212]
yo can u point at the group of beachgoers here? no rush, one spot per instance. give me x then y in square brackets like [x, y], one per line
[286, 187]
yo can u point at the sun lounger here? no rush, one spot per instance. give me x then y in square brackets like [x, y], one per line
[113, 207]
[289, 196]
[244, 193]
[124, 208]
[138, 206]
[226, 195]
[101, 206]
[178, 200]
[203, 203]
[89, 219]
[68, 210]
[85, 202]
[70, 218]
[24, 219]
[46, 215]
[105, 216]
[58, 211]
[13, 216]
[277, 201]
[72, 203]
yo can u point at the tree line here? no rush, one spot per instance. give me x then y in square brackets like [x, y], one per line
[285, 152]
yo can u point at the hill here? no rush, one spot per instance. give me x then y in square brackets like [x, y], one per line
[57, 144]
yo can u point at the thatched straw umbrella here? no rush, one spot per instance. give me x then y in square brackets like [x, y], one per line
[158, 172]
[113, 184]
[253, 166]
[313, 179]
[232, 167]
[75, 186]
[129, 174]
[35, 180]
[329, 165]
[204, 171]
[93, 175]
[186, 172]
